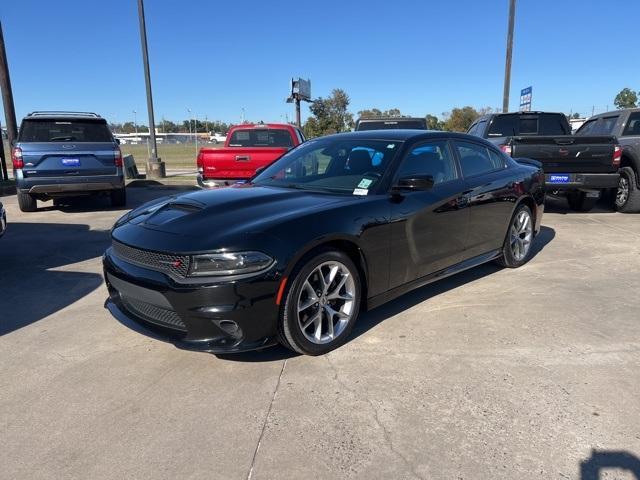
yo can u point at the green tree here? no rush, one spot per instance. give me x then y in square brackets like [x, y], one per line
[626, 98]
[460, 119]
[376, 112]
[433, 123]
[329, 115]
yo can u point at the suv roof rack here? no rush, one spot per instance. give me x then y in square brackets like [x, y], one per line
[56, 113]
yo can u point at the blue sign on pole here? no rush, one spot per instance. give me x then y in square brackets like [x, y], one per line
[525, 99]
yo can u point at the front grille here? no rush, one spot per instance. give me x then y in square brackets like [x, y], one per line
[162, 262]
[153, 314]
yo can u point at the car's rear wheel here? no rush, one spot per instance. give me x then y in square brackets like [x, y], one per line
[119, 197]
[27, 202]
[579, 202]
[517, 244]
[628, 194]
[322, 303]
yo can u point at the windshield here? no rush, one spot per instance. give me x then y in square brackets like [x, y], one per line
[261, 137]
[65, 131]
[348, 166]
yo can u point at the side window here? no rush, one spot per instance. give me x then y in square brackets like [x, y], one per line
[432, 158]
[476, 159]
[633, 125]
[588, 127]
[473, 129]
[481, 126]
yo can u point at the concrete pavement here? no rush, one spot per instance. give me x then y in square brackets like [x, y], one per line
[528, 373]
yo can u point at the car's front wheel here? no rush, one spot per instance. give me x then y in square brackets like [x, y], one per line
[322, 303]
[517, 244]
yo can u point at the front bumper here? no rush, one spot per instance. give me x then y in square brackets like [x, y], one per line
[582, 181]
[60, 186]
[214, 317]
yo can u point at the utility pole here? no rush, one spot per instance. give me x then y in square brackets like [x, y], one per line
[7, 100]
[155, 167]
[507, 63]
[135, 123]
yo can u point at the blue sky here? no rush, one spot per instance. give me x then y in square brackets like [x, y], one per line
[219, 57]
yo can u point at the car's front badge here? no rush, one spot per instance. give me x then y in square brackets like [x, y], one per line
[364, 183]
[360, 191]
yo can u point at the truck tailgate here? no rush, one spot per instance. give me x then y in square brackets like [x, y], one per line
[236, 162]
[568, 153]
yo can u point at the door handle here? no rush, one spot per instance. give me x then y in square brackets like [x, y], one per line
[243, 158]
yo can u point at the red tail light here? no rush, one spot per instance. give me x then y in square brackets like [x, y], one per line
[506, 149]
[617, 156]
[117, 156]
[199, 163]
[16, 158]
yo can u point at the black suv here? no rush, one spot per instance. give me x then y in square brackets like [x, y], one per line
[63, 154]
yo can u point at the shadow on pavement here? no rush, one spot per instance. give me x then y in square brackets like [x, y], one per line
[31, 287]
[594, 468]
[558, 204]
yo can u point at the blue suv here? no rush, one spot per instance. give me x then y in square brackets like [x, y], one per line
[64, 154]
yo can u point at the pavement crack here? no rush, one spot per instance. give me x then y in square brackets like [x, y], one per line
[385, 432]
[266, 420]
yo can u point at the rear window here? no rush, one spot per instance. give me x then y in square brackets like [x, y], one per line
[517, 124]
[392, 125]
[598, 126]
[65, 131]
[263, 137]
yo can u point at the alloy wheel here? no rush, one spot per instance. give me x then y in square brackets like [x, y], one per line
[623, 191]
[521, 235]
[327, 302]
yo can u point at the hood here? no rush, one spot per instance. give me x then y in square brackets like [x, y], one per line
[219, 218]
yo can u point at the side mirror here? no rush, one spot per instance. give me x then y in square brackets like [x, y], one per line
[259, 170]
[415, 182]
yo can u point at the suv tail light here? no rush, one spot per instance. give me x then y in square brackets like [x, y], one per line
[617, 156]
[16, 158]
[506, 149]
[117, 156]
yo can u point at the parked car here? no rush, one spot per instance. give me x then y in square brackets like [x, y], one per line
[3, 220]
[387, 123]
[217, 137]
[340, 224]
[579, 167]
[63, 154]
[625, 125]
[248, 148]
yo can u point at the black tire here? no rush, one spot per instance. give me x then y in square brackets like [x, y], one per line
[290, 332]
[118, 197]
[579, 202]
[27, 202]
[627, 199]
[508, 257]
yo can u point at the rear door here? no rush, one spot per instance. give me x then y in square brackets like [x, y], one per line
[67, 147]
[489, 195]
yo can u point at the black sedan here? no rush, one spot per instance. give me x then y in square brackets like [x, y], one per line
[337, 225]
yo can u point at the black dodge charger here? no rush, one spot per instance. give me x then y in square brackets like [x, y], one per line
[337, 225]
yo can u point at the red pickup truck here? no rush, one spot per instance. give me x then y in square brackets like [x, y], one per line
[247, 148]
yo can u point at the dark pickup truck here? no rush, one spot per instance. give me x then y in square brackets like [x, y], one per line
[391, 123]
[580, 167]
[625, 125]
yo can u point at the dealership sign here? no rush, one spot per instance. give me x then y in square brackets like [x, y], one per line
[525, 99]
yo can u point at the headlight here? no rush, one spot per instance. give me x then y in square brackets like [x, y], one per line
[228, 263]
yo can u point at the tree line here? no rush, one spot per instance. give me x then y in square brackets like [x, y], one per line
[186, 126]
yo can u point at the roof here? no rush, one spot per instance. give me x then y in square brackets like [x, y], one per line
[401, 135]
[615, 112]
[63, 114]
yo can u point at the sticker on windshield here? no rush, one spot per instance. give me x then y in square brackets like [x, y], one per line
[391, 145]
[360, 191]
[364, 183]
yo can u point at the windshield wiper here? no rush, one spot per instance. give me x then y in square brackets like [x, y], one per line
[62, 139]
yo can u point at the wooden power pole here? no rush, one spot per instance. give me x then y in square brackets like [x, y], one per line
[507, 63]
[7, 101]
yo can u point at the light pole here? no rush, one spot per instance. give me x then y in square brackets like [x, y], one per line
[507, 63]
[135, 124]
[155, 167]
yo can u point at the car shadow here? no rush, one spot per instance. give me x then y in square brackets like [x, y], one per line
[370, 319]
[32, 285]
[596, 465]
[559, 204]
